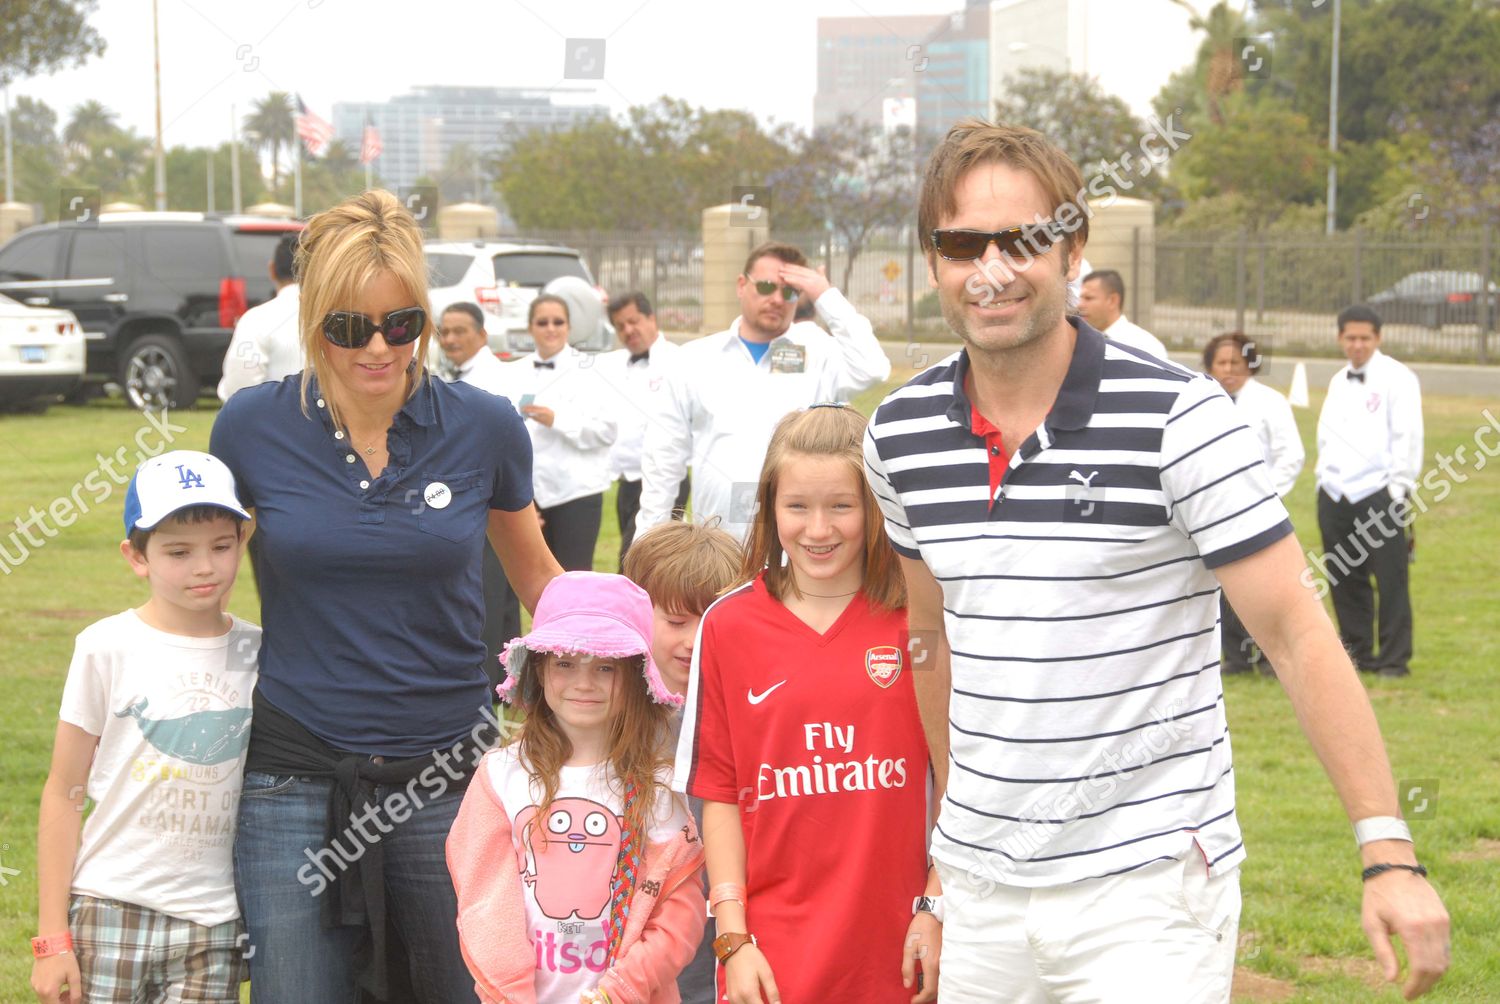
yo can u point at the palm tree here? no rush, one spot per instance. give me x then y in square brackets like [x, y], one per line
[1218, 63]
[270, 126]
[89, 128]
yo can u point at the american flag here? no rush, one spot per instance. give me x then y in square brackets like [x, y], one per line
[370, 146]
[312, 130]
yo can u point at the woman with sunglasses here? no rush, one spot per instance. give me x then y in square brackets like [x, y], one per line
[567, 407]
[373, 489]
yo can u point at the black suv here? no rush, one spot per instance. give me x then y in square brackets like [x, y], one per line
[157, 294]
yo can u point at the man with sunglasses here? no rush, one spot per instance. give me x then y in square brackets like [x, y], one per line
[725, 392]
[1067, 510]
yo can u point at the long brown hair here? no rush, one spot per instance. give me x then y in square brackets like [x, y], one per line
[822, 431]
[637, 747]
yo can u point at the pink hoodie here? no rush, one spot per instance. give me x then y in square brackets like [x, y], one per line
[666, 911]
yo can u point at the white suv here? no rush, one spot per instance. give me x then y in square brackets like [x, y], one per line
[503, 278]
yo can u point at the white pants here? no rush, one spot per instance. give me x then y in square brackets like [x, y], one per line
[1164, 933]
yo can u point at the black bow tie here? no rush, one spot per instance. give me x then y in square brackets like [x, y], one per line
[1355, 376]
[548, 365]
[639, 357]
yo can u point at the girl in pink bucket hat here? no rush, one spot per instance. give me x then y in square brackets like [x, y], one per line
[576, 868]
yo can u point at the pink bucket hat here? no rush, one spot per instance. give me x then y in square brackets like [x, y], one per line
[596, 613]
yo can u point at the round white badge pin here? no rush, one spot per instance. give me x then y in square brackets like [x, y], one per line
[437, 495]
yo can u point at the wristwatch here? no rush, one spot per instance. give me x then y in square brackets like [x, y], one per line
[929, 904]
[726, 945]
[52, 944]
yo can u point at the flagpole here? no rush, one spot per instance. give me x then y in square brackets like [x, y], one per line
[297, 184]
[369, 175]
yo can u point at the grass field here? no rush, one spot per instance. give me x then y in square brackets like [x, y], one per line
[1300, 934]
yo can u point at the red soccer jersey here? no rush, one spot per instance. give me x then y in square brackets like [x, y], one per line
[817, 738]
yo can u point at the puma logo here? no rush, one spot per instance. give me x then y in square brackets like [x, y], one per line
[1085, 481]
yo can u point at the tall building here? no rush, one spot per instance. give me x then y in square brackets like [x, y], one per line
[953, 78]
[419, 129]
[1050, 34]
[867, 66]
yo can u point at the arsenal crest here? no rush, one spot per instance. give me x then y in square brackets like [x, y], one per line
[883, 663]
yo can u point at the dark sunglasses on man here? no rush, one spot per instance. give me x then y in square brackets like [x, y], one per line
[349, 330]
[765, 287]
[1014, 242]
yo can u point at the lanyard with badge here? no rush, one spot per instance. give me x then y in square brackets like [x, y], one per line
[788, 358]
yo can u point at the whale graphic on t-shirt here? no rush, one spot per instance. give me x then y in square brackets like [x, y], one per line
[203, 738]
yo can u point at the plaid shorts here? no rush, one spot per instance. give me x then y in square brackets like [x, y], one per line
[129, 954]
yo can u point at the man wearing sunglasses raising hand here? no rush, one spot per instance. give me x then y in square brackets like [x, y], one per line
[1067, 510]
[726, 392]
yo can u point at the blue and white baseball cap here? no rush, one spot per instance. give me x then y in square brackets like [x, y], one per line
[174, 481]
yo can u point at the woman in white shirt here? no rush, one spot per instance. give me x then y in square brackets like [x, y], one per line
[1232, 359]
[569, 414]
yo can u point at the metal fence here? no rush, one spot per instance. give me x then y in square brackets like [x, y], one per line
[1285, 290]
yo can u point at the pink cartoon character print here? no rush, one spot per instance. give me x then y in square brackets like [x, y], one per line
[572, 862]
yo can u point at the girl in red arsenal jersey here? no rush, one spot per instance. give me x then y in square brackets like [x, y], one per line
[801, 736]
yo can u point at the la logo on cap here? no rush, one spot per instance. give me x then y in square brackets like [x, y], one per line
[188, 478]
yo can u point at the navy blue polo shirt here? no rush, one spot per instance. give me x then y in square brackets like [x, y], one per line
[371, 592]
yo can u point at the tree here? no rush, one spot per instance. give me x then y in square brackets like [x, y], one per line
[1406, 67]
[271, 126]
[44, 36]
[38, 154]
[1093, 127]
[654, 170]
[1263, 152]
[89, 127]
[1218, 71]
[854, 177]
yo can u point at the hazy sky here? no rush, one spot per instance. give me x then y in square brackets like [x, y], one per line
[761, 57]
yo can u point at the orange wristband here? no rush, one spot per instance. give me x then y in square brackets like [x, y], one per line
[52, 944]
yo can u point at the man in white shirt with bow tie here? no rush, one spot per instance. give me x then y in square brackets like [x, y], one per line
[1369, 459]
[637, 372]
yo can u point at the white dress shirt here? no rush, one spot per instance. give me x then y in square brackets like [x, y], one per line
[637, 385]
[1127, 332]
[1370, 431]
[1270, 416]
[719, 408]
[485, 371]
[569, 459]
[265, 345]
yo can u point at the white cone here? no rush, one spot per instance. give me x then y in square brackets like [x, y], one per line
[1298, 394]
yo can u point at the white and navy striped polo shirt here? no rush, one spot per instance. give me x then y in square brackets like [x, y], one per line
[1087, 724]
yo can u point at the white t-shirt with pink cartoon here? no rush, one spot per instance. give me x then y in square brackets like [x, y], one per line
[567, 860]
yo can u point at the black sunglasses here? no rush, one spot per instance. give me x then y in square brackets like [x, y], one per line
[349, 330]
[1015, 242]
[765, 287]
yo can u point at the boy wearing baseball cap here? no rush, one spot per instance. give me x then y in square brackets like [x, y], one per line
[154, 722]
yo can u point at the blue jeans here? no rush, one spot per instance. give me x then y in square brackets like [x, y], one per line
[284, 819]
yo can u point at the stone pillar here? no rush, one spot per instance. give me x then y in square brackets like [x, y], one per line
[1122, 236]
[730, 233]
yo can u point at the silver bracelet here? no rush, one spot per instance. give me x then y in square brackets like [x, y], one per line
[1381, 828]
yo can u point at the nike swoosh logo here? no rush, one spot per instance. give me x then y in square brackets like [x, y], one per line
[757, 698]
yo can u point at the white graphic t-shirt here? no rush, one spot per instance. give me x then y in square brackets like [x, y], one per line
[567, 860]
[172, 714]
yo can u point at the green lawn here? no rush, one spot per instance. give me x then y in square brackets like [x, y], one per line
[1300, 925]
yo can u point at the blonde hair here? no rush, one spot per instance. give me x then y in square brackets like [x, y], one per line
[823, 431]
[342, 250]
[684, 566]
[637, 739]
